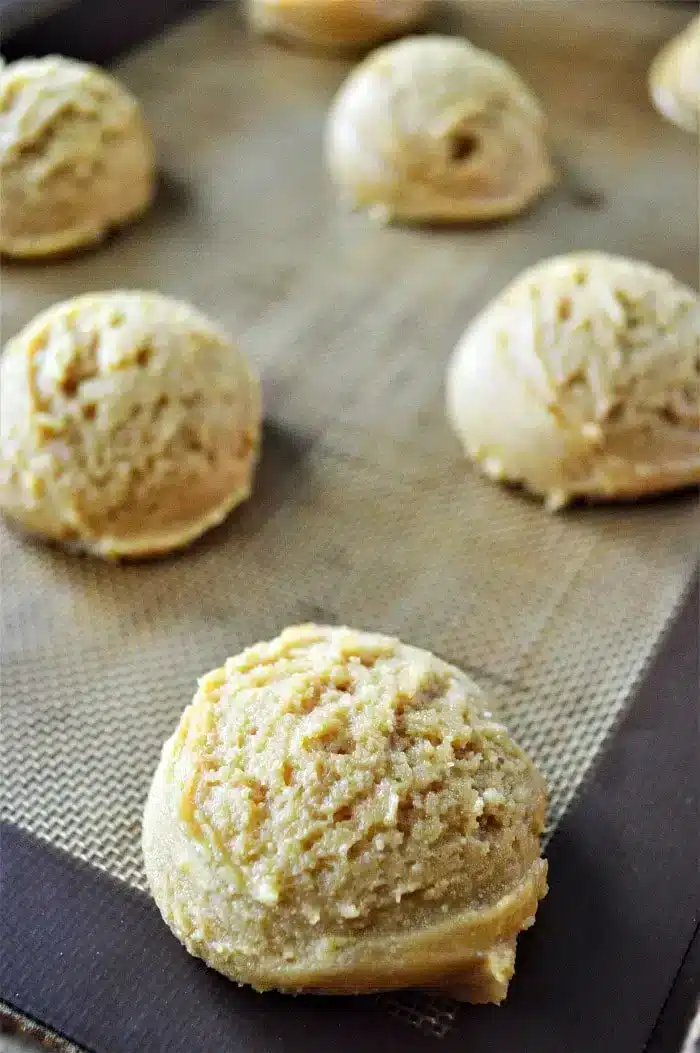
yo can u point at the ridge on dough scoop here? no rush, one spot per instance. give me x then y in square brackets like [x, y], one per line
[433, 129]
[337, 812]
[582, 380]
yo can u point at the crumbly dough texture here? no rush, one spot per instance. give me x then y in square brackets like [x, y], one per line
[674, 79]
[582, 380]
[76, 159]
[339, 813]
[336, 25]
[432, 129]
[129, 424]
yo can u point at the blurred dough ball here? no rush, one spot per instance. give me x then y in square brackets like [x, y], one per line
[337, 812]
[582, 379]
[674, 79]
[336, 25]
[76, 159]
[433, 129]
[130, 424]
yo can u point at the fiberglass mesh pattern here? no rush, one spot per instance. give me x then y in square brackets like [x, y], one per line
[115, 650]
[364, 512]
[98, 661]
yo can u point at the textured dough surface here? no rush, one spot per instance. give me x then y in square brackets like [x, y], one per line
[336, 25]
[338, 812]
[434, 129]
[674, 79]
[76, 159]
[130, 424]
[582, 379]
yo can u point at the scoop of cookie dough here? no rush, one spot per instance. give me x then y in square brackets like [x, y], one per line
[432, 129]
[674, 79]
[76, 159]
[339, 813]
[582, 380]
[129, 424]
[336, 25]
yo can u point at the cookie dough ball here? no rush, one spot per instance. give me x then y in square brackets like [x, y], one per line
[582, 380]
[431, 129]
[674, 79]
[129, 425]
[336, 25]
[76, 159]
[339, 813]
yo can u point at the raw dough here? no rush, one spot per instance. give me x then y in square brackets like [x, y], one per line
[674, 79]
[339, 813]
[129, 424]
[433, 129]
[582, 379]
[336, 25]
[76, 159]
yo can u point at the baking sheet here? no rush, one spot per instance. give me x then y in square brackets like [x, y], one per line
[364, 512]
[17, 14]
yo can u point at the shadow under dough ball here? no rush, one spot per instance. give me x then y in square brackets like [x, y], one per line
[338, 813]
[432, 129]
[336, 25]
[582, 380]
[674, 79]
[129, 425]
[76, 159]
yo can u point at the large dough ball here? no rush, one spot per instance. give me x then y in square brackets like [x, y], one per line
[582, 379]
[336, 25]
[76, 159]
[129, 424]
[337, 812]
[433, 129]
[674, 79]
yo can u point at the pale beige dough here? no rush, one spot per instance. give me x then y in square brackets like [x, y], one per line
[432, 129]
[339, 813]
[76, 159]
[129, 424]
[582, 380]
[336, 25]
[674, 79]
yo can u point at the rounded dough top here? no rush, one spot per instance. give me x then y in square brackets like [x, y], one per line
[76, 158]
[582, 379]
[329, 796]
[130, 424]
[336, 25]
[674, 79]
[433, 129]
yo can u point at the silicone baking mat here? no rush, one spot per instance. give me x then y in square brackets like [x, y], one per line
[364, 512]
